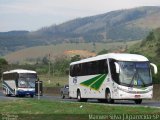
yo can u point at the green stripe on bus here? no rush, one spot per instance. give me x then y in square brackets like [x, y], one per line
[90, 81]
[94, 83]
[98, 83]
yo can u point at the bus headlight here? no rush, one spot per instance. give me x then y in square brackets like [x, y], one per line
[21, 90]
[150, 89]
[124, 90]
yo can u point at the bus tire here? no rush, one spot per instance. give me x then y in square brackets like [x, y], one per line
[16, 95]
[32, 96]
[138, 101]
[102, 100]
[79, 97]
[6, 93]
[108, 96]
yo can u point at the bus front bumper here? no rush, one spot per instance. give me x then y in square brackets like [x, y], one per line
[135, 94]
[25, 92]
[124, 95]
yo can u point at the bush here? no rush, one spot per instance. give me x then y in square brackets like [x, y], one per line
[61, 66]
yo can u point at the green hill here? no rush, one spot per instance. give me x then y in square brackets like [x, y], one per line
[127, 24]
[150, 46]
[38, 53]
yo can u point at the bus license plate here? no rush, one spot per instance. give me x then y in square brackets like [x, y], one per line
[137, 96]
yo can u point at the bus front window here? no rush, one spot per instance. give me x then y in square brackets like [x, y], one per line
[135, 73]
[31, 82]
[27, 80]
[22, 83]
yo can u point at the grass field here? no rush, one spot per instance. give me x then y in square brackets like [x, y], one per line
[42, 109]
[53, 81]
[22, 56]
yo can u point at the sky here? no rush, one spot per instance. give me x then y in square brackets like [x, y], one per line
[34, 14]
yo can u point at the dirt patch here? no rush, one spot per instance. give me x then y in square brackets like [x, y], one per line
[82, 53]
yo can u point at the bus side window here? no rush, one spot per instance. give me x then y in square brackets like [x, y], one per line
[83, 69]
[102, 67]
[115, 76]
[78, 70]
[95, 67]
[71, 70]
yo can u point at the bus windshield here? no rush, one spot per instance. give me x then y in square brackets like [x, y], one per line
[135, 73]
[27, 80]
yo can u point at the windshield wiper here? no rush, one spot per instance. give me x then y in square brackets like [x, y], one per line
[132, 79]
[142, 80]
[136, 73]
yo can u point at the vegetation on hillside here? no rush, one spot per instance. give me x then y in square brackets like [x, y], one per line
[3, 65]
[30, 55]
[128, 24]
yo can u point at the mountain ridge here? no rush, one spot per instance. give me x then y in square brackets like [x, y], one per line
[119, 25]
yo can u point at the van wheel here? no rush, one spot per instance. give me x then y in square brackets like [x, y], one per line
[139, 101]
[62, 96]
[108, 97]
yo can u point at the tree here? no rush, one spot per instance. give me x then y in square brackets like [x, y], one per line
[3, 62]
[61, 66]
[45, 60]
[3, 66]
[75, 58]
[104, 51]
[158, 49]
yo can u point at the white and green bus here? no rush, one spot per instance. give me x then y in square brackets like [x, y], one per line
[113, 76]
[19, 82]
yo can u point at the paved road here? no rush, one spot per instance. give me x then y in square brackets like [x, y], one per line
[147, 103]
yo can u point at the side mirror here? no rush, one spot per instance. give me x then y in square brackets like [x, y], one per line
[154, 67]
[117, 67]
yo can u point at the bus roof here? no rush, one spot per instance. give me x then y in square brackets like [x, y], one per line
[19, 71]
[116, 56]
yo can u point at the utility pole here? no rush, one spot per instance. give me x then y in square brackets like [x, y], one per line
[49, 65]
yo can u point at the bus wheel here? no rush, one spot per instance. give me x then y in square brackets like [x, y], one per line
[139, 101]
[79, 96]
[32, 96]
[6, 93]
[108, 97]
[102, 100]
